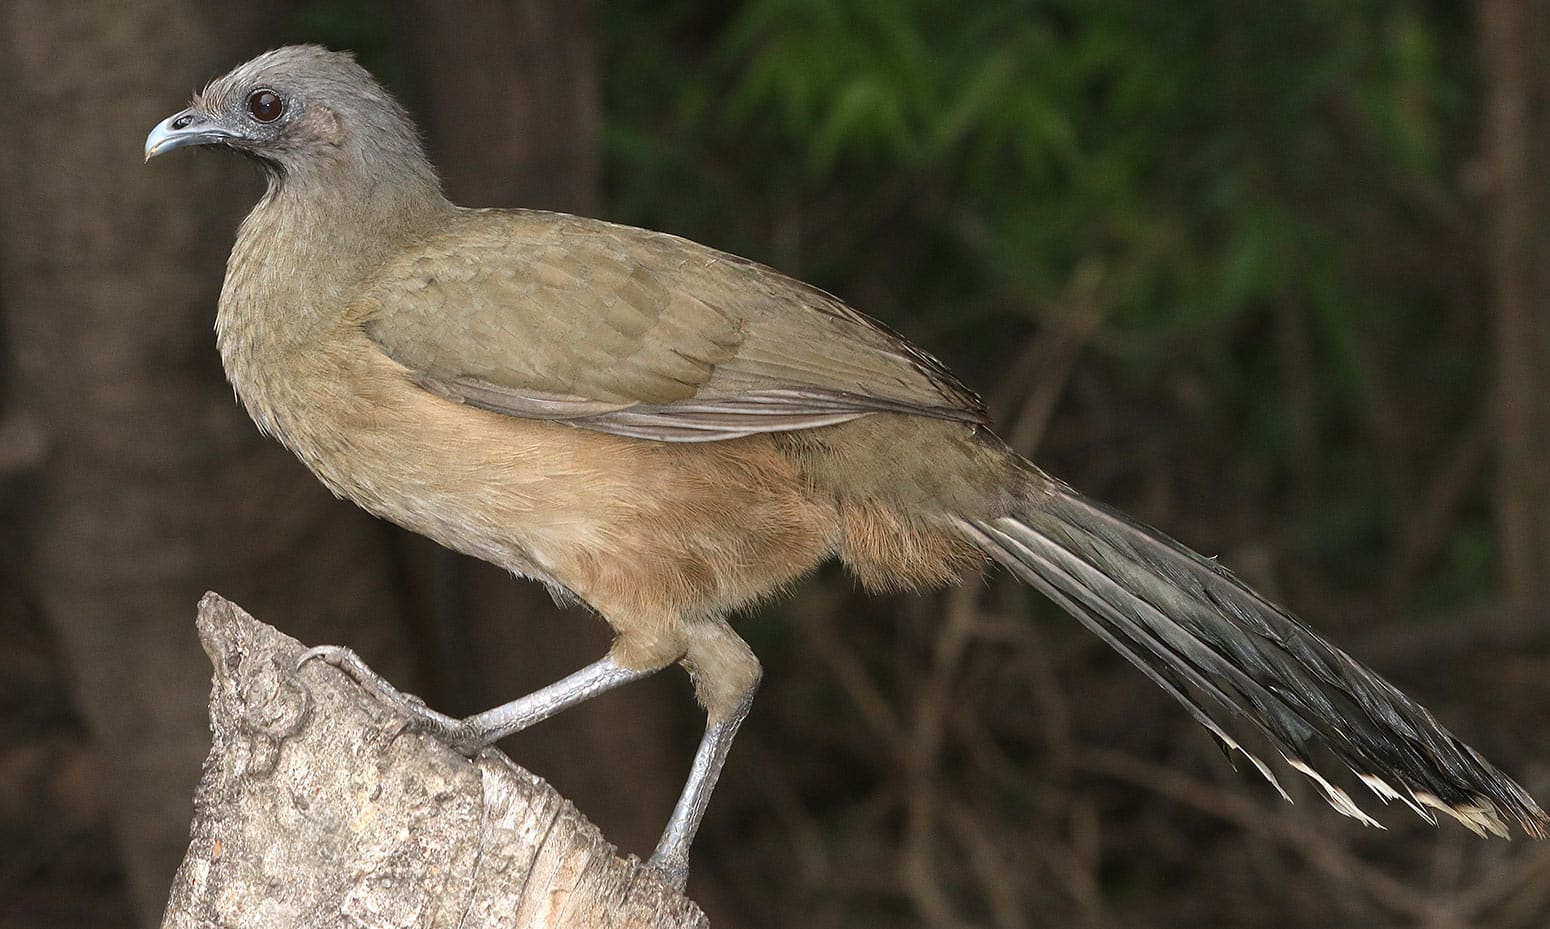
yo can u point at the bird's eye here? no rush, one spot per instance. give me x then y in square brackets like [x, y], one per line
[265, 105]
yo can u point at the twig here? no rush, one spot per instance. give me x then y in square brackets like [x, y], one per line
[923, 798]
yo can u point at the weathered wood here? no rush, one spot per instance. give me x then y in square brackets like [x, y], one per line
[314, 811]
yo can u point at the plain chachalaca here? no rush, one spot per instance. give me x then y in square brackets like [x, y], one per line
[667, 433]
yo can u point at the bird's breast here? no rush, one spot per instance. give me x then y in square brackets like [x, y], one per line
[630, 525]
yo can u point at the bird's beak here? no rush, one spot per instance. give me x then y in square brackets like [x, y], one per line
[189, 127]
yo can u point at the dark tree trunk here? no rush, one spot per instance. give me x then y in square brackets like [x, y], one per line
[1513, 47]
[155, 486]
[510, 100]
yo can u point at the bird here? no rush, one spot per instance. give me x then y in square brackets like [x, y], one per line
[667, 433]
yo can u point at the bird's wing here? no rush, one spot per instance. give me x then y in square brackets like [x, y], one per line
[637, 333]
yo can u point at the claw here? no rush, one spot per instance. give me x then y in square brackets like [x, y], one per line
[405, 724]
[671, 869]
[414, 715]
[336, 655]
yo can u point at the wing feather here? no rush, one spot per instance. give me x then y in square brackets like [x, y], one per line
[638, 333]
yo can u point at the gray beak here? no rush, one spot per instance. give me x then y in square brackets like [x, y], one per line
[190, 127]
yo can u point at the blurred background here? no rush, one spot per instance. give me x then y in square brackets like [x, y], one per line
[1271, 276]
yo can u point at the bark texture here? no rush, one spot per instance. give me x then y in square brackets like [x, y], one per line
[313, 812]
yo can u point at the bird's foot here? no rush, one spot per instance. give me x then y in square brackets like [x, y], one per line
[415, 716]
[671, 866]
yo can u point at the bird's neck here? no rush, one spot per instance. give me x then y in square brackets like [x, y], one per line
[299, 263]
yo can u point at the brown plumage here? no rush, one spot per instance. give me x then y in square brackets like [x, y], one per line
[668, 432]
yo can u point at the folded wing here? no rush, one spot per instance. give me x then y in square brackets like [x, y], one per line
[639, 333]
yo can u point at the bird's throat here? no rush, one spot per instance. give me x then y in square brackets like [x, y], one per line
[300, 262]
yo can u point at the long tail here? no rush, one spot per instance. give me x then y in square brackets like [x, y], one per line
[1228, 655]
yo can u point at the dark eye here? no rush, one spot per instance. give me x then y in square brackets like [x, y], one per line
[265, 105]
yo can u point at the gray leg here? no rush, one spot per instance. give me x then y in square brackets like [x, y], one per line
[474, 733]
[725, 673]
[671, 859]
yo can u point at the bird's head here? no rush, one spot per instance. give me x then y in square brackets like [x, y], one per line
[298, 110]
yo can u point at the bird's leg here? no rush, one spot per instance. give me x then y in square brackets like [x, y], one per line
[473, 733]
[726, 675]
[671, 858]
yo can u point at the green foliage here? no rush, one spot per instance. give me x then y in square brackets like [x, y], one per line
[1263, 197]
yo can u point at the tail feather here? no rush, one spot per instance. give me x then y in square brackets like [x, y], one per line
[1228, 655]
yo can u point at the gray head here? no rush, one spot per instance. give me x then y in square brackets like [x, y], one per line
[300, 111]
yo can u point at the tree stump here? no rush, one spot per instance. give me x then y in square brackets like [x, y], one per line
[314, 811]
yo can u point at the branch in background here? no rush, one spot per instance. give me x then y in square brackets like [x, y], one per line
[313, 811]
[1510, 53]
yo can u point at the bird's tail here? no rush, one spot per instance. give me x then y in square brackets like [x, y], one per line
[1230, 656]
